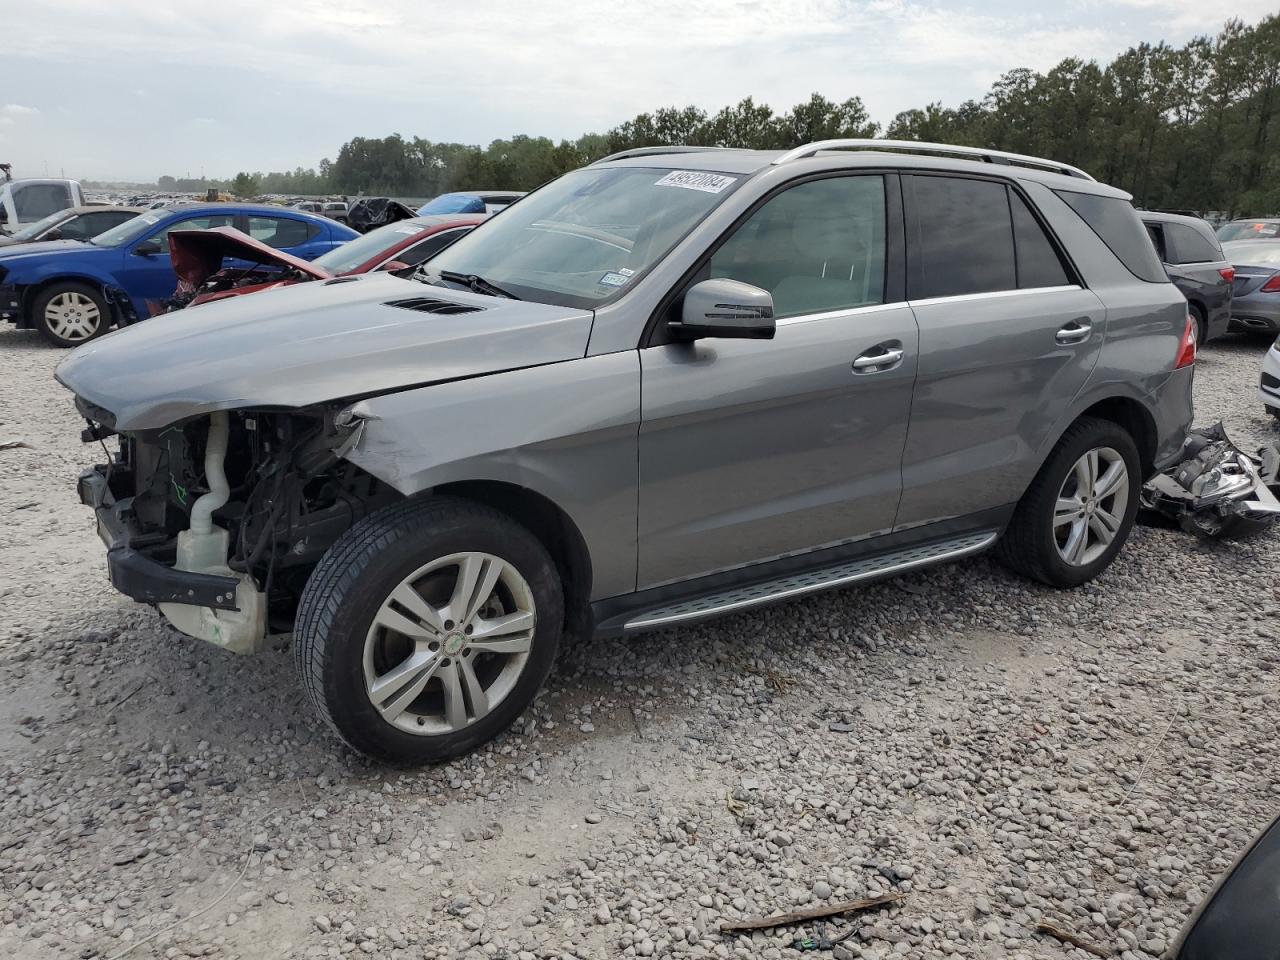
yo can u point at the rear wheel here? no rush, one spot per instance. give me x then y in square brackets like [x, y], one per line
[1079, 510]
[69, 314]
[427, 629]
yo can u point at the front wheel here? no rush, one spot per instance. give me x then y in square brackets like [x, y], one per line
[69, 314]
[1079, 510]
[427, 629]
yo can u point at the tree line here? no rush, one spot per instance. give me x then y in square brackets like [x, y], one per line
[1191, 127]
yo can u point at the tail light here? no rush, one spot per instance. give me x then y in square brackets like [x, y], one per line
[1272, 285]
[1187, 349]
[1228, 273]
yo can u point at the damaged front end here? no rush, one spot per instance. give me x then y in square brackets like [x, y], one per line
[219, 520]
[1216, 490]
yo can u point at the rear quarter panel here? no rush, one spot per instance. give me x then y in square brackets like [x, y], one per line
[1144, 328]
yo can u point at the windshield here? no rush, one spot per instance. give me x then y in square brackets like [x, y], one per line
[351, 254]
[130, 229]
[453, 203]
[33, 230]
[1257, 252]
[1248, 230]
[582, 239]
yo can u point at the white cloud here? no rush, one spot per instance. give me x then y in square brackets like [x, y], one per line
[13, 112]
[288, 83]
[1197, 16]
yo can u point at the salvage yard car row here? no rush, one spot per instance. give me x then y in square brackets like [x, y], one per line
[670, 385]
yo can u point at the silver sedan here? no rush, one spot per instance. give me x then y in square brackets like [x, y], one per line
[1255, 301]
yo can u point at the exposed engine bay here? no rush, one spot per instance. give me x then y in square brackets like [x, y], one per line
[253, 498]
[223, 262]
[230, 282]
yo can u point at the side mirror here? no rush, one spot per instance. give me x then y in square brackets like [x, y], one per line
[148, 248]
[391, 266]
[727, 309]
[1240, 918]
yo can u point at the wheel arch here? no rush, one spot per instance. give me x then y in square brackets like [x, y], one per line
[32, 291]
[547, 521]
[1133, 417]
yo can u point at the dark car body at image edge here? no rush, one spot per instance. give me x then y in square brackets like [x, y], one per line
[1197, 266]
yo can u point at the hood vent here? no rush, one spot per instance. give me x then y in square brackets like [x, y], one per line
[432, 305]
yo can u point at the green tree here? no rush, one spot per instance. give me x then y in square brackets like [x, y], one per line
[245, 185]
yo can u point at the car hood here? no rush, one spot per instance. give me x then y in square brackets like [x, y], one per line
[310, 343]
[197, 255]
[16, 252]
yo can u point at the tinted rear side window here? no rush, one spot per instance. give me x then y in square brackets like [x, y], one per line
[1038, 262]
[1118, 226]
[1188, 245]
[965, 238]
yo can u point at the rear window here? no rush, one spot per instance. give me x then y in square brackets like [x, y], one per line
[1038, 262]
[1249, 230]
[1186, 244]
[1117, 225]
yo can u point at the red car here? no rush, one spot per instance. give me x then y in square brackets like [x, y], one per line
[223, 262]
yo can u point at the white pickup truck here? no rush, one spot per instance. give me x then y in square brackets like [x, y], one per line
[26, 201]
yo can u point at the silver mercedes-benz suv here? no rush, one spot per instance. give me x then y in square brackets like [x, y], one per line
[673, 384]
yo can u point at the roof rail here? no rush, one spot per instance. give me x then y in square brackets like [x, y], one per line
[906, 146]
[656, 151]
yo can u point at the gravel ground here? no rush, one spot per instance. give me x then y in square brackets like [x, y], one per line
[996, 751]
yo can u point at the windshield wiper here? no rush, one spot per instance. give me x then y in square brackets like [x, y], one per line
[476, 284]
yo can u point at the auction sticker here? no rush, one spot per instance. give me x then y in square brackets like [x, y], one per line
[613, 280]
[697, 180]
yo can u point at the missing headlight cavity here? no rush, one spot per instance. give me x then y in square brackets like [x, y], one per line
[290, 493]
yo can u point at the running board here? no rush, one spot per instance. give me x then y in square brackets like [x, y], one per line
[745, 597]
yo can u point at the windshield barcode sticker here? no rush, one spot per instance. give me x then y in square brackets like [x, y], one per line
[695, 180]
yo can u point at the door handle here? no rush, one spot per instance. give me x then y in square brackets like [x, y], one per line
[1077, 331]
[879, 358]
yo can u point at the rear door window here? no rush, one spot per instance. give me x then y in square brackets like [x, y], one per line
[817, 247]
[192, 223]
[1039, 264]
[965, 238]
[1188, 245]
[279, 232]
[1156, 232]
[1117, 225]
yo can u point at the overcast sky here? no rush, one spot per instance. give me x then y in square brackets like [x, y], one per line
[133, 89]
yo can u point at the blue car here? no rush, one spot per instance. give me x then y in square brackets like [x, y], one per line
[72, 291]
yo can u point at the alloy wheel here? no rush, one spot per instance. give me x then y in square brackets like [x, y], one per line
[449, 643]
[1091, 504]
[72, 316]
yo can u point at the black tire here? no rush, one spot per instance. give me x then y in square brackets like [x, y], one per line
[1202, 324]
[1274, 411]
[356, 575]
[1028, 546]
[40, 307]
